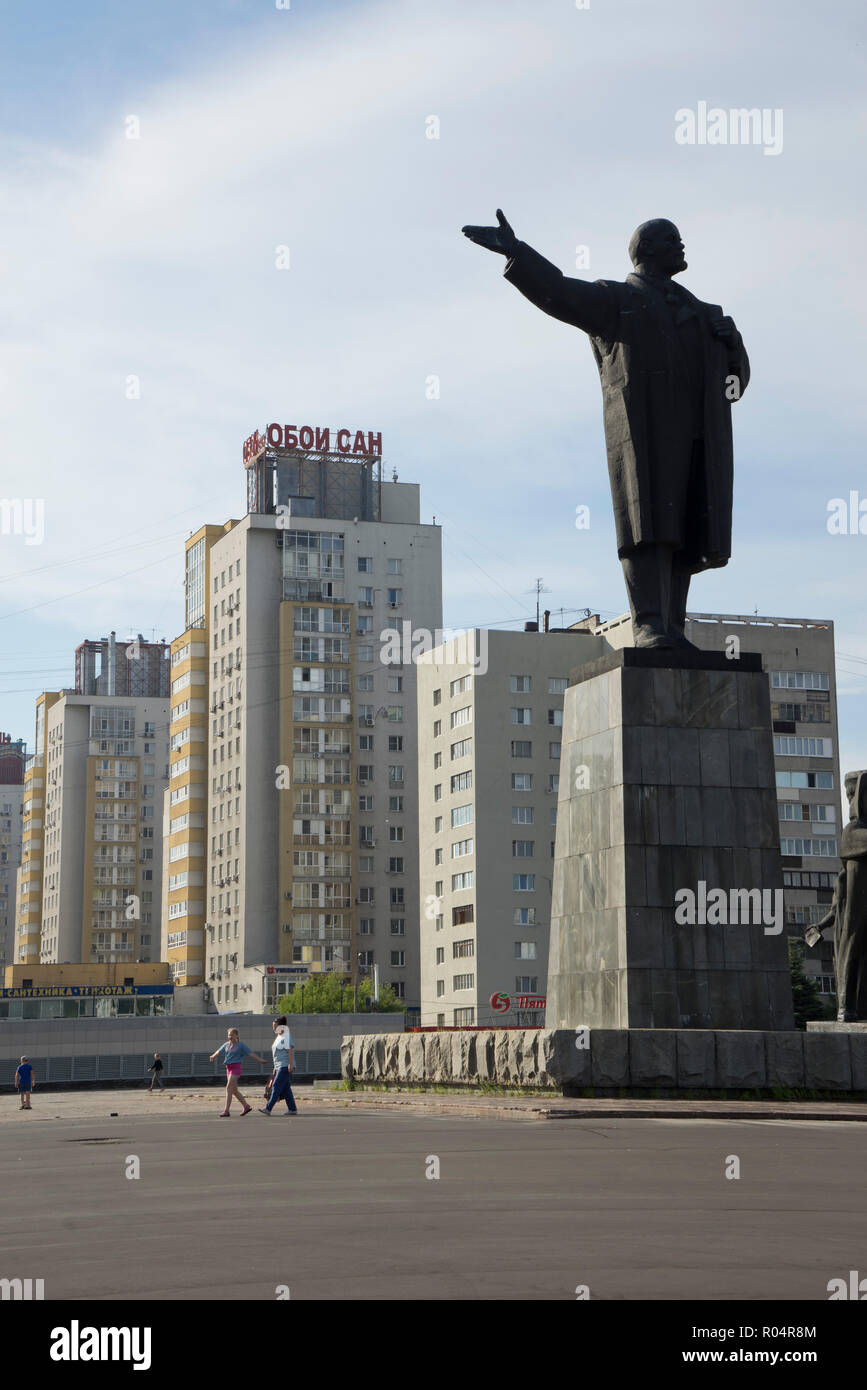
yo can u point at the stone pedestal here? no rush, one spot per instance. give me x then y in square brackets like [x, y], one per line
[666, 784]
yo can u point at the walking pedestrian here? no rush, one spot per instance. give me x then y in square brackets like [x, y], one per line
[156, 1067]
[24, 1084]
[283, 1052]
[233, 1052]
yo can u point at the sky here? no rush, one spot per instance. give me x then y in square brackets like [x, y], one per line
[160, 164]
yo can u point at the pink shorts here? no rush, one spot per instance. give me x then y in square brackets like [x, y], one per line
[233, 1069]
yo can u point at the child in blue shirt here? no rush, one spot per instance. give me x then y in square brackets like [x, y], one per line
[24, 1084]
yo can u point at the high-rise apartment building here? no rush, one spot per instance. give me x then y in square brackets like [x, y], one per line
[91, 865]
[291, 818]
[488, 788]
[489, 774]
[12, 758]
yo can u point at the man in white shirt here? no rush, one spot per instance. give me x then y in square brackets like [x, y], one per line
[283, 1052]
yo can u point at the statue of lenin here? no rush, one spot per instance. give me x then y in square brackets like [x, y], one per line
[670, 367]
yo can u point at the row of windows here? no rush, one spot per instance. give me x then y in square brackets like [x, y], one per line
[824, 849]
[821, 781]
[799, 680]
[524, 715]
[789, 746]
[798, 810]
[524, 749]
[365, 564]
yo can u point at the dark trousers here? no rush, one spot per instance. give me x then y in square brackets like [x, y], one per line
[282, 1090]
[157, 1080]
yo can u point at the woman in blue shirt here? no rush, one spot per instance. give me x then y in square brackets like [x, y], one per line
[233, 1051]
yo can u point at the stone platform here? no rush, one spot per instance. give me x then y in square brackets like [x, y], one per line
[613, 1059]
[667, 791]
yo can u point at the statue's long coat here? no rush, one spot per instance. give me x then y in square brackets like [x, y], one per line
[850, 936]
[667, 389]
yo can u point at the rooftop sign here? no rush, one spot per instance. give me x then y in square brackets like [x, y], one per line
[312, 439]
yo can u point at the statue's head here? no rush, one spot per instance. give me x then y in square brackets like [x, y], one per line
[656, 246]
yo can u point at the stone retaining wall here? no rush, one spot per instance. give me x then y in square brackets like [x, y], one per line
[610, 1059]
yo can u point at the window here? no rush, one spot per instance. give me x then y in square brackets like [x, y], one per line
[524, 917]
[438, 888]
[460, 915]
[365, 595]
[525, 950]
[523, 849]
[553, 781]
[395, 803]
[365, 863]
[365, 895]
[464, 880]
[522, 815]
[462, 781]
[396, 897]
[521, 748]
[365, 564]
[461, 685]
[437, 728]
[398, 958]
[553, 750]
[523, 883]
[438, 922]
[788, 747]
[441, 989]
[464, 1017]
[441, 955]
[555, 716]
[364, 623]
[395, 743]
[463, 982]
[520, 685]
[395, 774]
[438, 824]
[438, 791]
[462, 815]
[822, 781]
[395, 865]
[366, 926]
[522, 781]
[799, 680]
[365, 803]
[460, 848]
[394, 596]
[365, 682]
[437, 697]
[398, 926]
[438, 760]
[438, 856]
[365, 743]
[557, 685]
[462, 749]
[394, 685]
[461, 716]
[823, 849]
[526, 984]
[395, 832]
[364, 651]
[523, 715]
[394, 567]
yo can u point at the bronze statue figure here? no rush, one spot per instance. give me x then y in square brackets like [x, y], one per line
[848, 911]
[670, 367]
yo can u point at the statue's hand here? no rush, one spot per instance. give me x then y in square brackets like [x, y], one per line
[500, 239]
[725, 330]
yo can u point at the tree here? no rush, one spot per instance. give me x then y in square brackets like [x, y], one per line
[806, 996]
[329, 994]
